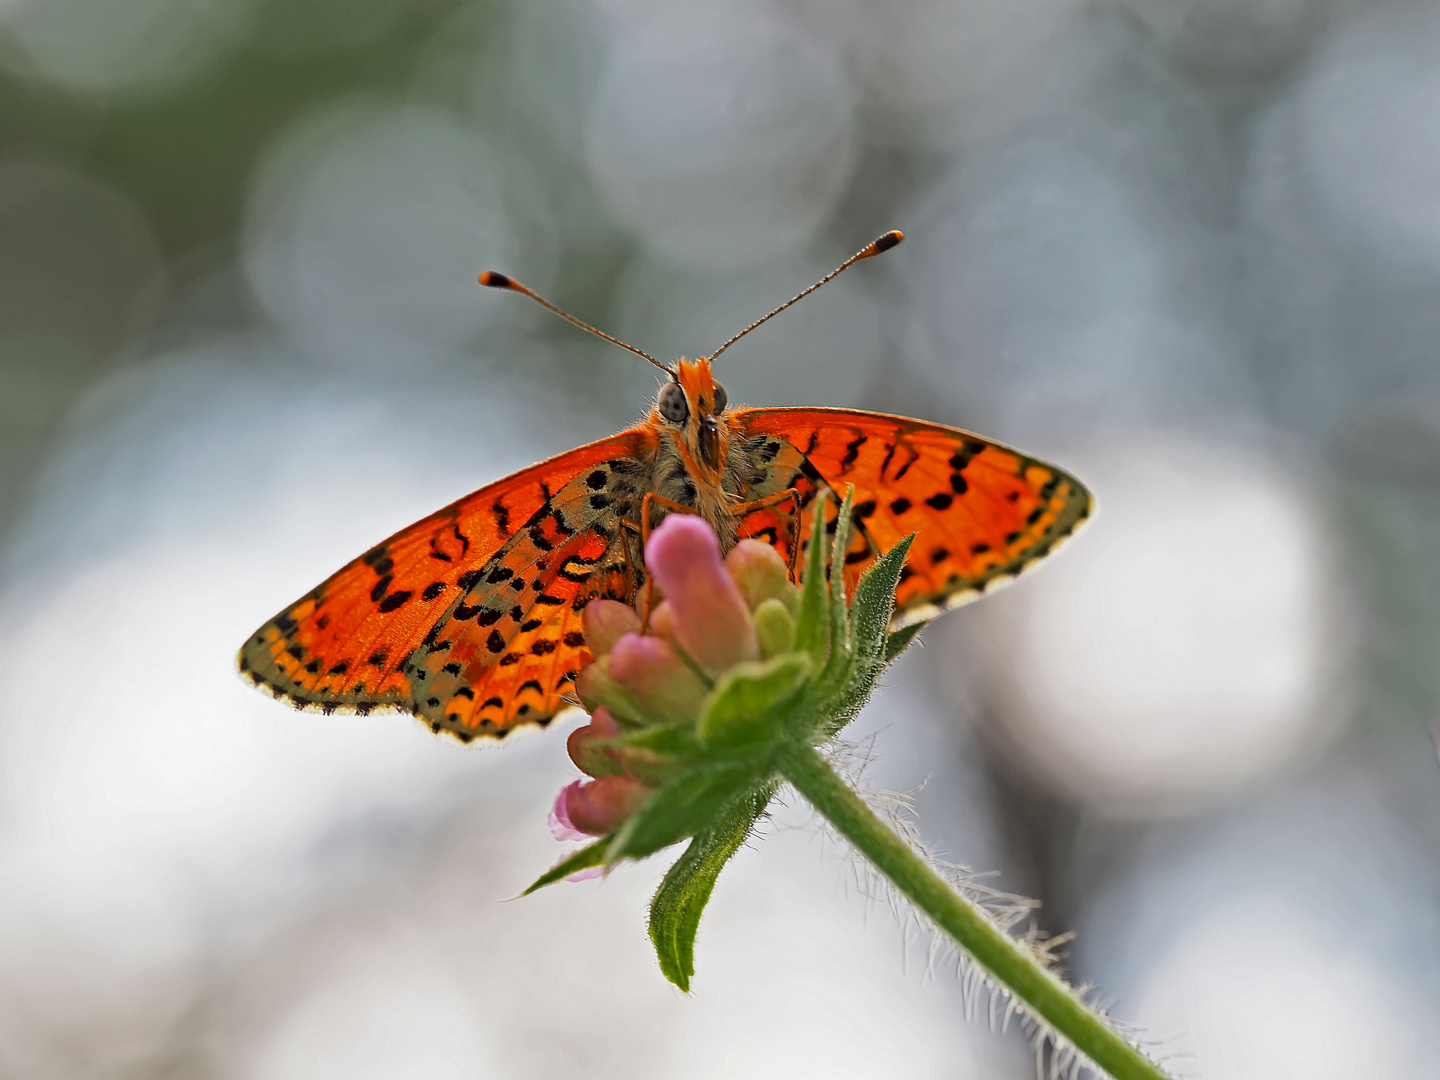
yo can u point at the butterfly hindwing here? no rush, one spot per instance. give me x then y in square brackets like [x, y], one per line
[370, 636]
[506, 653]
[982, 512]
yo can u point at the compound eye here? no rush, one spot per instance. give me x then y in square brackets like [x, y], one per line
[673, 406]
[720, 398]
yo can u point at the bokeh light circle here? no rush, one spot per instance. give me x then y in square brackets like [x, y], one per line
[1029, 269]
[1188, 642]
[131, 48]
[721, 141]
[367, 227]
[80, 275]
[1369, 140]
[941, 71]
[1257, 944]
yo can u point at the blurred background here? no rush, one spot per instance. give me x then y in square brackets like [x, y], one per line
[1188, 248]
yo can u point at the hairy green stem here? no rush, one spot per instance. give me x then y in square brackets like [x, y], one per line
[1007, 962]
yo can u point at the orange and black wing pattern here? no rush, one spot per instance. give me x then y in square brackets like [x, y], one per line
[982, 513]
[470, 619]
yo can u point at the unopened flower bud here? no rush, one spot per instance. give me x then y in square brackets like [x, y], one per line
[598, 807]
[660, 682]
[606, 622]
[775, 627]
[710, 618]
[760, 573]
[597, 688]
[662, 621]
[593, 760]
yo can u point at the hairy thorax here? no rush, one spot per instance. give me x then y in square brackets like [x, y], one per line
[678, 475]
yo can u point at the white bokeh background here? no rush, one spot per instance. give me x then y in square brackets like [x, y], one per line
[1187, 248]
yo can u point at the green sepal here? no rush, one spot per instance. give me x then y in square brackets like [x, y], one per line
[598, 757]
[838, 665]
[900, 640]
[837, 554]
[680, 901]
[656, 755]
[875, 601]
[597, 688]
[651, 766]
[671, 740]
[680, 809]
[584, 859]
[812, 622]
[745, 707]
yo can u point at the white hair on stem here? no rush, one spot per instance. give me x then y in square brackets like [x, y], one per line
[1055, 1057]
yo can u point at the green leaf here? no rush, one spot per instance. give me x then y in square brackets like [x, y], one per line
[680, 809]
[584, 859]
[812, 623]
[675, 912]
[875, 600]
[745, 706]
[897, 642]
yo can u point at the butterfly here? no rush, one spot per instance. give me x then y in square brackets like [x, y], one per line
[471, 618]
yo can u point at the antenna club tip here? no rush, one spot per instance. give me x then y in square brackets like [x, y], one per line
[492, 280]
[889, 240]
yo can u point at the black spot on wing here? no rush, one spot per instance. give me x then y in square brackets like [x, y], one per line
[394, 601]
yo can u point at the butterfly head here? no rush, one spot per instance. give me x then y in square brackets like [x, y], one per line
[688, 408]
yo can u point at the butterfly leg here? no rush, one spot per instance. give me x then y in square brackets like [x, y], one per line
[791, 494]
[651, 499]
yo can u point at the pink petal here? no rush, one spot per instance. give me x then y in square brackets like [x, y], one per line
[711, 622]
[560, 825]
[587, 874]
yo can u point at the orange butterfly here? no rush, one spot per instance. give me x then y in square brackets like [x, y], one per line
[470, 619]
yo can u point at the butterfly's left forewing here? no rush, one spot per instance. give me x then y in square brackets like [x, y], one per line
[982, 513]
[470, 618]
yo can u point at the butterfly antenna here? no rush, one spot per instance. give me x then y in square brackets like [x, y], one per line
[884, 243]
[492, 280]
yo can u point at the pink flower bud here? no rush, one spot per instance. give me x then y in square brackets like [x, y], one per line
[598, 807]
[597, 688]
[605, 622]
[662, 620]
[710, 619]
[759, 571]
[661, 683]
[593, 760]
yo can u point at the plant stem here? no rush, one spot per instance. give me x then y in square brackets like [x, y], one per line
[1008, 963]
